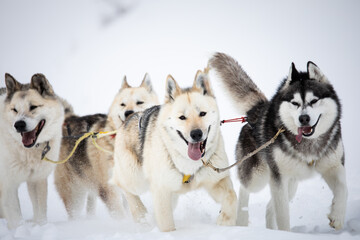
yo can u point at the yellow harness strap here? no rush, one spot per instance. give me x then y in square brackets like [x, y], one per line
[83, 137]
[310, 164]
[186, 178]
[86, 135]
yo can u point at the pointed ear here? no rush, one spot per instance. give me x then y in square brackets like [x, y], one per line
[146, 83]
[293, 75]
[42, 85]
[315, 73]
[124, 84]
[11, 85]
[202, 83]
[172, 89]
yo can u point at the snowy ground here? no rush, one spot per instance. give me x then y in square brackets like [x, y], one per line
[84, 48]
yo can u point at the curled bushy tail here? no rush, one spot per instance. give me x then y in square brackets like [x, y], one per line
[242, 89]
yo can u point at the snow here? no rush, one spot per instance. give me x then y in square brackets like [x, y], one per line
[85, 47]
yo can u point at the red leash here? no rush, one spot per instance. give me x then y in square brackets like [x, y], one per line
[240, 119]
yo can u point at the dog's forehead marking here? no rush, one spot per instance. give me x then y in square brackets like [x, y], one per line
[297, 98]
[22, 95]
[309, 96]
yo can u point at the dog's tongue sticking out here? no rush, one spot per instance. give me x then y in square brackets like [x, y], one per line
[194, 151]
[28, 138]
[301, 130]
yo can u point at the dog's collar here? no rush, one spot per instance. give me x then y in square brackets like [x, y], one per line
[312, 163]
[45, 150]
[187, 178]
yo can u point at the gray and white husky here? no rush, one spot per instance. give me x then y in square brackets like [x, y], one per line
[31, 118]
[307, 107]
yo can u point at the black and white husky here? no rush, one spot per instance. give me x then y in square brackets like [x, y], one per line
[307, 107]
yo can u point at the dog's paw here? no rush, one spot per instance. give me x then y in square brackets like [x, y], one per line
[226, 220]
[336, 222]
[15, 224]
[243, 217]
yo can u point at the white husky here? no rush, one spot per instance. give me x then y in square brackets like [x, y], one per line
[163, 147]
[31, 117]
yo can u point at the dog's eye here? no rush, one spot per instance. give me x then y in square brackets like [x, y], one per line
[14, 109]
[139, 102]
[182, 117]
[202, 114]
[32, 107]
[295, 104]
[123, 105]
[313, 101]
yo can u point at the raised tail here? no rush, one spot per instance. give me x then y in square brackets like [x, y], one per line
[242, 89]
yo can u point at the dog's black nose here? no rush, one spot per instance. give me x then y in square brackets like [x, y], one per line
[304, 119]
[20, 126]
[129, 112]
[196, 135]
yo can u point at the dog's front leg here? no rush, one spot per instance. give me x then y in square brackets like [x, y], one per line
[10, 204]
[280, 202]
[243, 207]
[136, 206]
[38, 194]
[162, 199]
[335, 178]
[223, 193]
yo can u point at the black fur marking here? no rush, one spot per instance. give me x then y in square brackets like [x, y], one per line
[182, 137]
[2, 91]
[149, 115]
[103, 194]
[170, 89]
[77, 126]
[294, 74]
[254, 113]
[130, 118]
[202, 84]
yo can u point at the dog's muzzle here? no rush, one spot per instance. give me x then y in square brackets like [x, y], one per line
[29, 138]
[306, 131]
[196, 148]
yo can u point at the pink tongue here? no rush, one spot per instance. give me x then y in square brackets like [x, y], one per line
[301, 130]
[299, 136]
[194, 151]
[28, 138]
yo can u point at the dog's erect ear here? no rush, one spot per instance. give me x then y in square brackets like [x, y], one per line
[124, 83]
[11, 84]
[293, 76]
[172, 89]
[42, 85]
[315, 73]
[202, 83]
[146, 83]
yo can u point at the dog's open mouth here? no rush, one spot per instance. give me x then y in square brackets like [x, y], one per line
[29, 138]
[306, 131]
[195, 150]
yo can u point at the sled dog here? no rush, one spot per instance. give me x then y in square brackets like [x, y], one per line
[85, 175]
[163, 152]
[31, 116]
[308, 108]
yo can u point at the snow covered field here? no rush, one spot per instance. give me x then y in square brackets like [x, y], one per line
[85, 47]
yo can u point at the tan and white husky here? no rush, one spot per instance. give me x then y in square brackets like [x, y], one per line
[86, 174]
[31, 116]
[163, 151]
